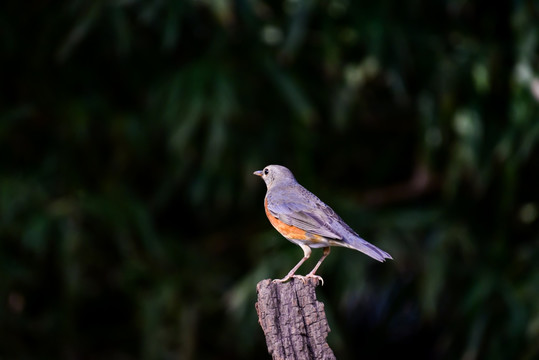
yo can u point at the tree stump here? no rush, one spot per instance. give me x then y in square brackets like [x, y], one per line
[293, 320]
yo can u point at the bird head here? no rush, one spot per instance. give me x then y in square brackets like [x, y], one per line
[275, 174]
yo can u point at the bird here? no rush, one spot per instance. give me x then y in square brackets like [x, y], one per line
[302, 218]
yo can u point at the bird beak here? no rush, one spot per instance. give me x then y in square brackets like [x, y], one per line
[258, 173]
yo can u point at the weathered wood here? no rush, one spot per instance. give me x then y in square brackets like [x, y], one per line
[293, 320]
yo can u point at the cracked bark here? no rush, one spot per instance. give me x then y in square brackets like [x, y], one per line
[293, 320]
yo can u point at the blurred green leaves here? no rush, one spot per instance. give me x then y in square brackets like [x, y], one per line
[131, 225]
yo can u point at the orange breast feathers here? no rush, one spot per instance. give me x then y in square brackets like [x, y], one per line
[289, 231]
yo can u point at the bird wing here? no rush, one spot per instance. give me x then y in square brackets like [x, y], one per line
[299, 207]
[304, 210]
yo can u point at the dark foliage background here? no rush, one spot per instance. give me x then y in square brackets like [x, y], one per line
[131, 225]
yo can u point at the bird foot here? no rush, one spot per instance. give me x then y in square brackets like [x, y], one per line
[316, 278]
[305, 279]
[287, 278]
[283, 280]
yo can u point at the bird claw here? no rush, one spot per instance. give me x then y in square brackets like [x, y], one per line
[305, 279]
[316, 278]
[283, 280]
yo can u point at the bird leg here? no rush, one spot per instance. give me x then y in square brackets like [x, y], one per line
[312, 273]
[307, 252]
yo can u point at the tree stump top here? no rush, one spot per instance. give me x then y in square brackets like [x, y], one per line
[293, 320]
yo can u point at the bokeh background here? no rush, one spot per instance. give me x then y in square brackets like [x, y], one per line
[132, 227]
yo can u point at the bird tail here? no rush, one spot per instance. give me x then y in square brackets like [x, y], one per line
[367, 248]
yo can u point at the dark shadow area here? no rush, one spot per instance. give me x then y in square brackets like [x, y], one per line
[131, 226]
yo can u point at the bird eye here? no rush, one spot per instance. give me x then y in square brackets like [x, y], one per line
[266, 171]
